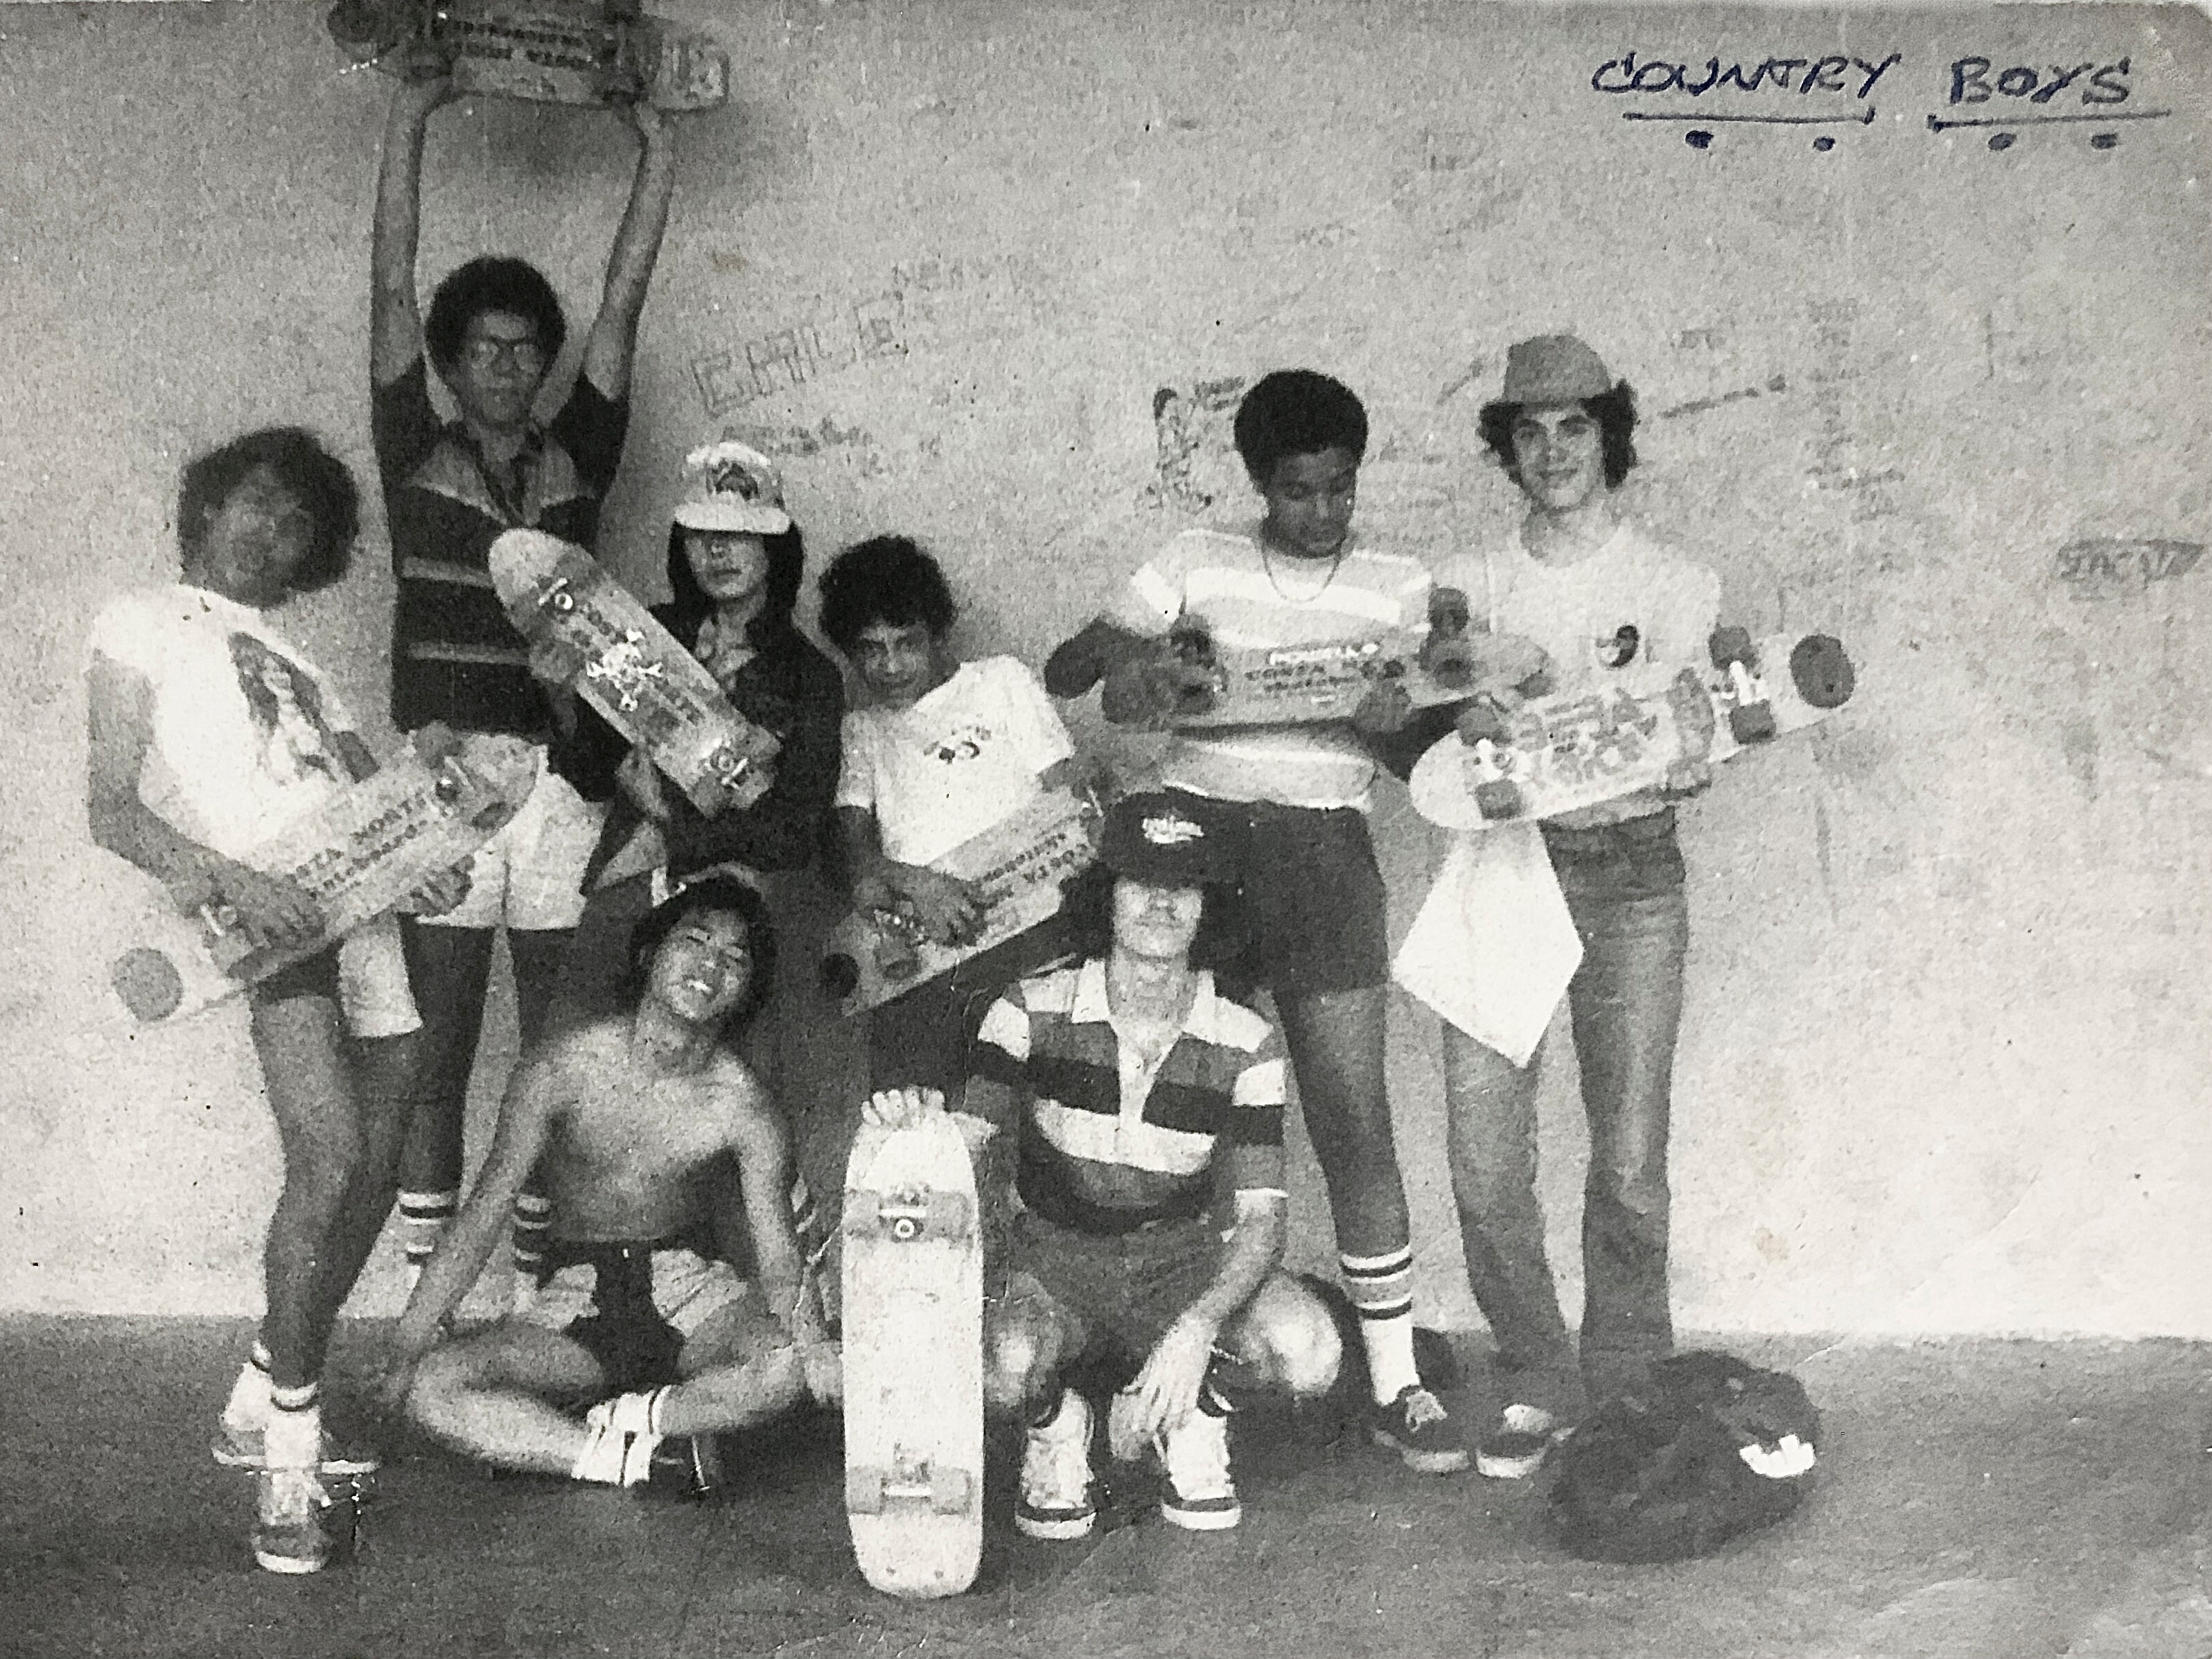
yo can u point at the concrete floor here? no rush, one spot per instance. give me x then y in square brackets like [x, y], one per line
[1982, 1500]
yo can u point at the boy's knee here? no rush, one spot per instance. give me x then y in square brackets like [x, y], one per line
[1303, 1344]
[1015, 1368]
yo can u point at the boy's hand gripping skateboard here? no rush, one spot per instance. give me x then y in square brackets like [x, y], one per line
[912, 1309]
[1205, 685]
[359, 854]
[584, 626]
[1562, 753]
[1019, 864]
[551, 52]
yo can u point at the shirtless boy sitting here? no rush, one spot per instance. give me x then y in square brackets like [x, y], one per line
[632, 1115]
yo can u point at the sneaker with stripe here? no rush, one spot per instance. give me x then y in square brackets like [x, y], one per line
[1420, 1430]
[1200, 1496]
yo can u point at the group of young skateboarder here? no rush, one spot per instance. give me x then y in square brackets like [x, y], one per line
[1115, 1073]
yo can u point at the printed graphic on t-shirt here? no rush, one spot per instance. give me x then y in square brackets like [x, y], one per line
[965, 742]
[287, 707]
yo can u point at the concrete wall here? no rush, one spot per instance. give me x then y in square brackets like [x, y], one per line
[1943, 1063]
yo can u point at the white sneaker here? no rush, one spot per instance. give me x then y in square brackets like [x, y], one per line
[620, 1450]
[1201, 1496]
[239, 1446]
[1516, 1447]
[288, 1522]
[1056, 1500]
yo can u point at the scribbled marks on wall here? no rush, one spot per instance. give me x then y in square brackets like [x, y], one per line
[2093, 568]
[1193, 428]
[1775, 383]
[1836, 466]
[1455, 186]
[911, 312]
[787, 440]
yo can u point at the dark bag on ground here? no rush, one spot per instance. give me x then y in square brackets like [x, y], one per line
[1708, 1448]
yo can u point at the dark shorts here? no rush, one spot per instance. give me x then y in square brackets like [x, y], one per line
[1125, 1289]
[632, 1306]
[318, 977]
[1312, 911]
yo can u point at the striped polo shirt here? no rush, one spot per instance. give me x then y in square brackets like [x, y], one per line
[455, 657]
[1214, 1103]
[1251, 599]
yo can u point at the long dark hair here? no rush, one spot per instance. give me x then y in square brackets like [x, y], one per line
[1087, 912]
[689, 607]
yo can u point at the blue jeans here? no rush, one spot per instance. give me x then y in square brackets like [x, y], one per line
[1623, 884]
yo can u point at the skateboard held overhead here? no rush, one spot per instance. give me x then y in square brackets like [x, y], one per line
[913, 1310]
[1020, 863]
[586, 627]
[550, 52]
[1327, 680]
[1562, 753]
[358, 855]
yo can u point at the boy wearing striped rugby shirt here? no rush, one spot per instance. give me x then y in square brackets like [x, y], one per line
[1144, 1104]
[1313, 895]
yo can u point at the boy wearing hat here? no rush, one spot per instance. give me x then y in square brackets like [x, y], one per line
[1313, 894]
[493, 333]
[1598, 596]
[1131, 1107]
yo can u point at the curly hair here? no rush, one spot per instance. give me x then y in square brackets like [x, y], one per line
[1088, 909]
[1296, 411]
[1615, 411]
[728, 896]
[885, 579]
[492, 282]
[317, 479]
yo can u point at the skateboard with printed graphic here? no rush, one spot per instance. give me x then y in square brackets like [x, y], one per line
[1562, 753]
[1020, 862]
[913, 1310]
[358, 855]
[594, 52]
[586, 627]
[1298, 684]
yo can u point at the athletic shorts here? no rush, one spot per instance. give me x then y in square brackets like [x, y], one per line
[1313, 914]
[1125, 1288]
[633, 1304]
[530, 876]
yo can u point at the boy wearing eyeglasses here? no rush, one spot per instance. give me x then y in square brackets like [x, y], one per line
[494, 331]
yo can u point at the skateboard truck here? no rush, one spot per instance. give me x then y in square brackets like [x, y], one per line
[909, 1484]
[1751, 716]
[907, 1217]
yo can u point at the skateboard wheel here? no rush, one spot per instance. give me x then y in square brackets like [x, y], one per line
[1499, 798]
[864, 1492]
[493, 816]
[1730, 645]
[840, 975]
[149, 984]
[951, 1491]
[1822, 673]
[1620, 650]
[1752, 722]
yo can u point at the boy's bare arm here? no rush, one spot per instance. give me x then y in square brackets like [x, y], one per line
[395, 325]
[612, 343]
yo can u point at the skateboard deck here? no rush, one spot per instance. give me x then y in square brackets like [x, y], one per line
[550, 52]
[1301, 685]
[360, 853]
[1561, 753]
[913, 1300]
[590, 629]
[1020, 863]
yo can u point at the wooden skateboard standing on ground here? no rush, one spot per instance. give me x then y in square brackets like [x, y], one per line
[1020, 863]
[1561, 753]
[913, 1311]
[586, 627]
[359, 854]
[592, 53]
[1300, 684]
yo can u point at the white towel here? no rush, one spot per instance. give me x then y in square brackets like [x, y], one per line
[1493, 946]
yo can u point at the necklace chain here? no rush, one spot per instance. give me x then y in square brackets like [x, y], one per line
[1267, 564]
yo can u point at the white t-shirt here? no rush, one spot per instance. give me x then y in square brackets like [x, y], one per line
[1576, 613]
[965, 756]
[243, 728]
[1250, 599]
